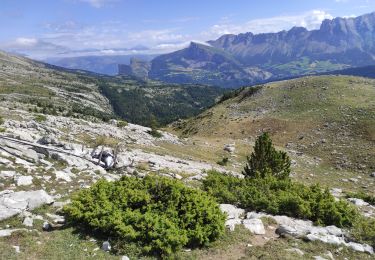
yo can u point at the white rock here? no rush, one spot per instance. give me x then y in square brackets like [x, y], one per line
[319, 258]
[284, 230]
[4, 161]
[255, 226]
[63, 175]
[125, 257]
[7, 174]
[231, 223]
[28, 222]
[23, 180]
[229, 148]
[356, 247]
[13, 203]
[358, 202]
[17, 248]
[232, 211]
[372, 174]
[330, 255]
[106, 246]
[8, 232]
[295, 250]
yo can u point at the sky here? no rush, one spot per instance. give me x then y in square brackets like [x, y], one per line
[58, 28]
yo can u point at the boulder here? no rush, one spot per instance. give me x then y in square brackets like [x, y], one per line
[19, 150]
[255, 226]
[23, 180]
[229, 148]
[284, 230]
[8, 232]
[232, 211]
[106, 246]
[13, 203]
[329, 239]
[7, 174]
[361, 248]
[231, 223]
[64, 175]
[295, 250]
[372, 175]
[28, 222]
[358, 202]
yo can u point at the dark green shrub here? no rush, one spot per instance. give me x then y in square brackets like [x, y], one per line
[40, 118]
[122, 123]
[1, 120]
[223, 162]
[155, 133]
[160, 215]
[265, 159]
[280, 196]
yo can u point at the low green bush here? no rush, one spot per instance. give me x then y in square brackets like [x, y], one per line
[281, 196]
[40, 118]
[364, 230]
[223, 162]
[1, 120]
[122, 123]
[155, 133]
[158, 214]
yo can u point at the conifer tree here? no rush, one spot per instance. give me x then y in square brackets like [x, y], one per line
[266, 160]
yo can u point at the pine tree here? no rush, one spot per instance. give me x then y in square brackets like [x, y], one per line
[266, 160]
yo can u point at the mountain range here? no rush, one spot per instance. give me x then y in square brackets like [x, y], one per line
[247, 58]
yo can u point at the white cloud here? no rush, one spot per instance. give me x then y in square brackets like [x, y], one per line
[26, 42]
[98, 3]
[309, 20]
[114, 37]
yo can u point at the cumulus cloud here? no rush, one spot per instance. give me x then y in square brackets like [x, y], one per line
[115, 38]
[309, 20]
[32, 47]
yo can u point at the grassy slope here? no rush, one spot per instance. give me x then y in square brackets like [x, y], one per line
[330, 119]
[29, 82]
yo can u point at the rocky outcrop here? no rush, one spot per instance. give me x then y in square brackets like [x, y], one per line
[291, 227]
[13, 203]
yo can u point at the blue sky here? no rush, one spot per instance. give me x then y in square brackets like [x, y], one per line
[41, 28]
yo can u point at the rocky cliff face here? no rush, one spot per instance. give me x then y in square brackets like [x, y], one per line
[334, 40]
[235, 60]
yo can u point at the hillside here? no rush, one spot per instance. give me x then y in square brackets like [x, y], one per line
[205, 65]
[236, 60]
[150, 102]
[330, 119]
[47, 89]
[53, 122]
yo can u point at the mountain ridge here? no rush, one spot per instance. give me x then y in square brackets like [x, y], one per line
[247, 58]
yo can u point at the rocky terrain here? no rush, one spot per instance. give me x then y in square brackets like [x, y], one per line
[43, 161]
[47, 154]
